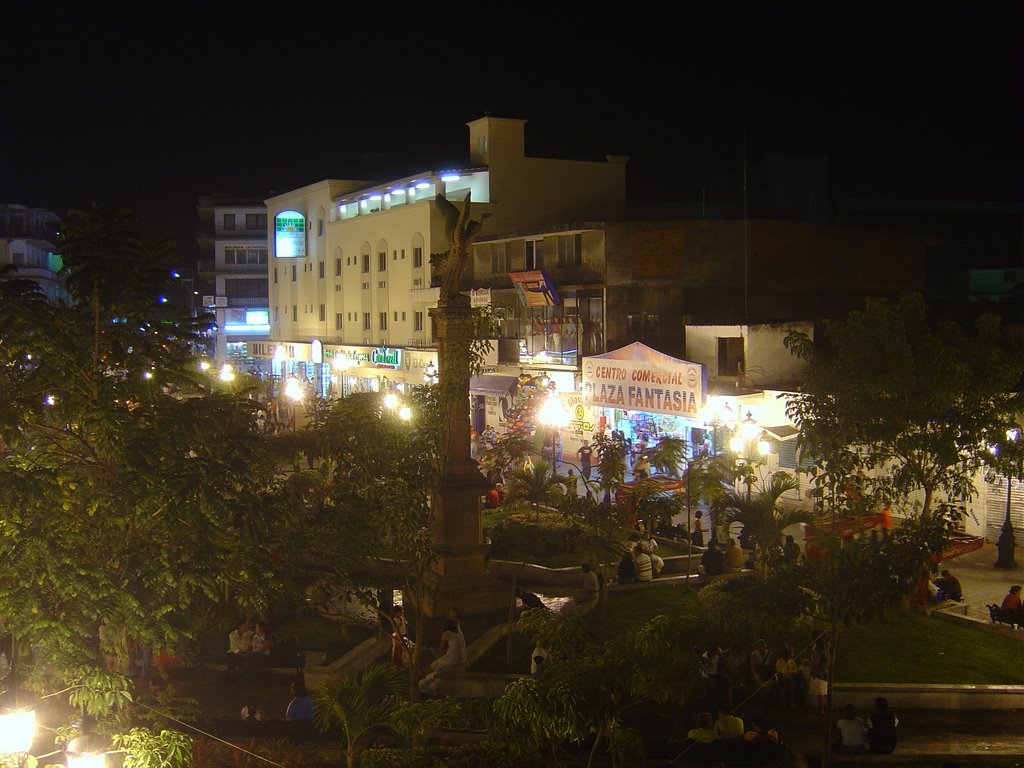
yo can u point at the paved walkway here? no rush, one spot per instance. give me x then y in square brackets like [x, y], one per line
[982, 583]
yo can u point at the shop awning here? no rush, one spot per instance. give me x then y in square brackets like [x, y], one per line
[784, 432]
[492, 384]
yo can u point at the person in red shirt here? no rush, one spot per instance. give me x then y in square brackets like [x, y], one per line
[1012, 602]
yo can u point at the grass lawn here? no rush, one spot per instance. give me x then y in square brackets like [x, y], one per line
[922, 649]
[919, 649]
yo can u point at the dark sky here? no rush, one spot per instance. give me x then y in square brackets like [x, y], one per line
[151, 108]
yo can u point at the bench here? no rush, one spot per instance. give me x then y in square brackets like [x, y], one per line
[999, 616]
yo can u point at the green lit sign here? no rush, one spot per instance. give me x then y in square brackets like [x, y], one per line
[384, 357]
[289, 234]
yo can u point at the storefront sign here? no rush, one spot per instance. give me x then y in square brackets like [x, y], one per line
[652, 386]
[535, 288]
[386, 357]
[480, 297]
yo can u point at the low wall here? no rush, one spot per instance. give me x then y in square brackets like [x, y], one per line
[922, 696]
[354, 661]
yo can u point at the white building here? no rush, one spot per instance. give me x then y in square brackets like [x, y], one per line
[350, 275]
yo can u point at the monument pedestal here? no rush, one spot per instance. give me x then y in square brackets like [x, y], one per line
[458, 579]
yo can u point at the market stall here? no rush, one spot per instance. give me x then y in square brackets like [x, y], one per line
[646, 394]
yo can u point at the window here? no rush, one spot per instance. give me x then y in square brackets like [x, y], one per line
[366, 321]
[403, 254]
[366, 262]
[245, 255]
[535, 254]
[569, 250]
[245, 289]
[417, 321]
[295, 313]
[319, 227]
[255, 221]
[644, 327]
[395, 318]
[337, 287]
[382, 321]
[229, 222]
[322, 267]
[499, 258]
[730, 356]
[277, 314]
[337, 267]
[275, 275]
[417, 257]
[294, 273]
[337, 321]
[382, 261]
[403, 317]
[394, 255]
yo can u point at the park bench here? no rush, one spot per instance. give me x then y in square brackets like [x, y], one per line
[999, 616]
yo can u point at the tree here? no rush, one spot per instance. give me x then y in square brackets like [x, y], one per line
[364, 513]
[538, 485]
[585, 689]
[669, 453]
[126, 512]
[917, 401]
[357, 704]
[762, 515]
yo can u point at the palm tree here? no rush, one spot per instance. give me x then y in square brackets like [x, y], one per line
[669, 453]
[357, 704]
[762, 515]
[539, 485]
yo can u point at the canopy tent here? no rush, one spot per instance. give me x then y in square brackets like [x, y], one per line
[639, 378]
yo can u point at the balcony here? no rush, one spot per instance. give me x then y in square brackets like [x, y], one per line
[208, 267]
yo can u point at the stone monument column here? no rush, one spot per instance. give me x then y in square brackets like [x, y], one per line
[458, 578]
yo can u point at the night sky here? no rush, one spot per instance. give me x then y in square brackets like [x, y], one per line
[151, 108]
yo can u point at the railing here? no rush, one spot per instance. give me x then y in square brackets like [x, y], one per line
[207, 266]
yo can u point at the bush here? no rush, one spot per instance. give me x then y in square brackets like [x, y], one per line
[537, 534]
[490, 754]
[746, 606]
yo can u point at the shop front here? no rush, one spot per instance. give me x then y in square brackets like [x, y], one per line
[646, 394]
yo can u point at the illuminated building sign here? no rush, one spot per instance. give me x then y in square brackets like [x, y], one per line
[247, 321]
[289, 234]
[384, 357]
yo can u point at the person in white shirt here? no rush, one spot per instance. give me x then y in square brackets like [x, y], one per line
[852, 733]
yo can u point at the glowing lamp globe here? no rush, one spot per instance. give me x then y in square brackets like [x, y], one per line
[17, 730]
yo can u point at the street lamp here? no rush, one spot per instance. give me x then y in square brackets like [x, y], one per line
[17, 730]
[717, 412]
[749, 436]
[293, 391]
[430, 375]
[553, 415]
[1007, 542]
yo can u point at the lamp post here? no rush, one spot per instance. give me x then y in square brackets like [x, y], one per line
[749, 435]
[1007, 542]
[430, 376]
[293, 391]
[17, 731]
[717, 413]
[553, 415]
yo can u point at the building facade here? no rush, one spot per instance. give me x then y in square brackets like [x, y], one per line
[233, 264]
[350, 276]
[28, 238]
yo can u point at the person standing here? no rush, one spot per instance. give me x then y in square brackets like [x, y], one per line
[584, 454]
